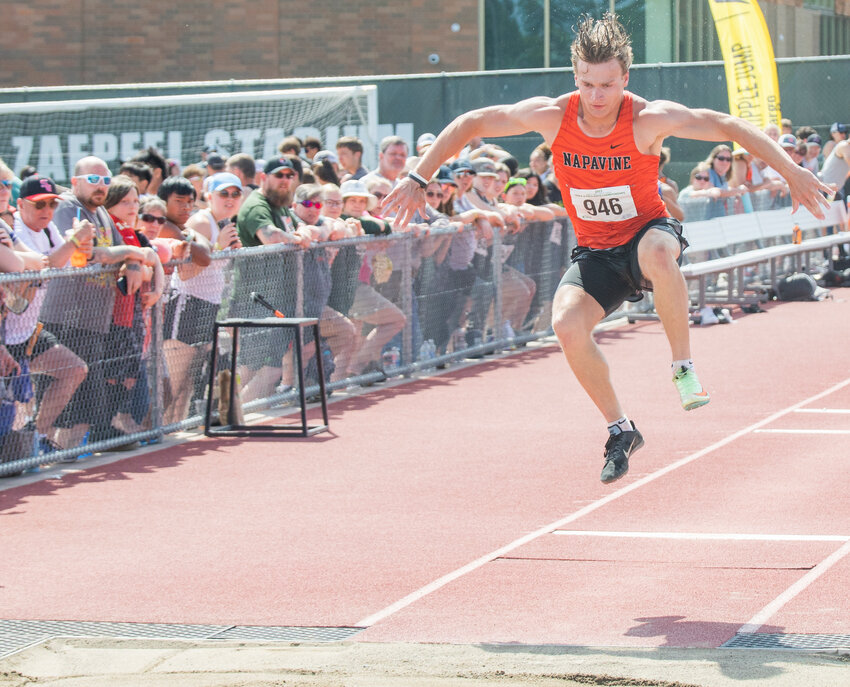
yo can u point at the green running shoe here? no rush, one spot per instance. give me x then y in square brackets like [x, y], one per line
[691, 391]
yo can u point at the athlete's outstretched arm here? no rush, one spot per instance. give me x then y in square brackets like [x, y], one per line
[673, 119]
[535, 114]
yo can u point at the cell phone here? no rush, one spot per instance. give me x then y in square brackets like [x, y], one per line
[122, 285]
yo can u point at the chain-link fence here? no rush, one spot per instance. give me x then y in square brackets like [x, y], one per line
[97, 370]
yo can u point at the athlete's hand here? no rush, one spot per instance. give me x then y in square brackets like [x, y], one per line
[807, 190]
[406, 199]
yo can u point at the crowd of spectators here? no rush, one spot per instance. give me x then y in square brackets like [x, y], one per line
[74, 350]
[731, 180]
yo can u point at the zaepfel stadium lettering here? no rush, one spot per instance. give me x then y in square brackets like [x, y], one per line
[613, 163]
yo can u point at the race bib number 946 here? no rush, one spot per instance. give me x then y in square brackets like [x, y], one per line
[611, 204]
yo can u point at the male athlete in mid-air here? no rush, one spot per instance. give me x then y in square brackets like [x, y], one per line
[605, 144]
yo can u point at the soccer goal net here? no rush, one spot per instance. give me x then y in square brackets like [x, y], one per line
[52, 136]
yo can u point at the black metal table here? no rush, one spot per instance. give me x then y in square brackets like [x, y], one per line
[228, 426]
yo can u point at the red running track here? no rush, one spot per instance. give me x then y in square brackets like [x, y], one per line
[467, 507]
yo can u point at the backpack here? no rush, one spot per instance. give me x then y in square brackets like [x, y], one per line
[799, 287]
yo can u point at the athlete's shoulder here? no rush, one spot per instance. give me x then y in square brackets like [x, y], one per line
[540, 113]
[543, 104]
[659, 117]
[654, 108]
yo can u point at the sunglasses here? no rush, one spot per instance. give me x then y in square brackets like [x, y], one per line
[146, 217]
[333, 203]
[284, 175]
[464, 173]
[379, 195]
[95, 179]
[41, 204]
[312, 204]
[235, 193]
[723, 158]
[6, 182]
[433, 194]
[701, 177]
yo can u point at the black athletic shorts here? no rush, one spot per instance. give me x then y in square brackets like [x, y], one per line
[189, 319]
[612, 275]
[45, 342]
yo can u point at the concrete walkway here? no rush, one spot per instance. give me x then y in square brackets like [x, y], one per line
[154, 663]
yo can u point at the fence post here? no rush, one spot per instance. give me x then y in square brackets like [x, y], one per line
[498, 317]
[407, 354]
[157, 367]
[299, 283]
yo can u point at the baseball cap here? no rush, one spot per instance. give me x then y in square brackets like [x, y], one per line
[209, 149]
[278, 163]
[484, 167]
[838, 128]
[425, 140]
[739, 151]
[463, 165]
[328, 155]
[223, 180]
[814, 138]
[37, 188]
[788, 141]
[215, 162]
[445, 175]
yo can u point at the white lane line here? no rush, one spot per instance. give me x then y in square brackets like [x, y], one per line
[558, 524]
[766, 613]
[802, 431]
[699, 536]
[839, 411]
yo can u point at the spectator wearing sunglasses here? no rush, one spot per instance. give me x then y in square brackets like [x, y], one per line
[358, 299]
[335, 329]
[720, 171]
[719, 163]
[151, 221]
[79, 311]
[125, 371]
[266, 218]
[699, 185]
[196, 289]
[700, 199]
[30, 343]
[7, 187]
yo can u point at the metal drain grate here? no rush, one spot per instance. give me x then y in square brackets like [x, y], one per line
[289, 634]
[796, 642]
[73, 628]
[12, 643]
[19, 634]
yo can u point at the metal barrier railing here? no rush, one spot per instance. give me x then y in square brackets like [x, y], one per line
[98, 375]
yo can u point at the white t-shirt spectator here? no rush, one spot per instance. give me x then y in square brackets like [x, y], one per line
[19, 328]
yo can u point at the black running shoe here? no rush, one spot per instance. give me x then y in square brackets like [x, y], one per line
[618, 448]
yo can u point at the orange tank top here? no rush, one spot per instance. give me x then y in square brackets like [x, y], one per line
[610, 188]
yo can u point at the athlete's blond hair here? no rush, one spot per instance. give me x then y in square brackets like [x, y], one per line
[600, 40]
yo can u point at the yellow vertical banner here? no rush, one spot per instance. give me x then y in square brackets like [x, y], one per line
[747, 50]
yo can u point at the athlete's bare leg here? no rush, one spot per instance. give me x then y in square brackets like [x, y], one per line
[574, 315]
[657, 255]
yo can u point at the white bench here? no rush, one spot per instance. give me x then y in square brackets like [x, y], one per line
[727, 241]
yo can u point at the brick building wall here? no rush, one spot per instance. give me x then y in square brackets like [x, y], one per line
[119, 41]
